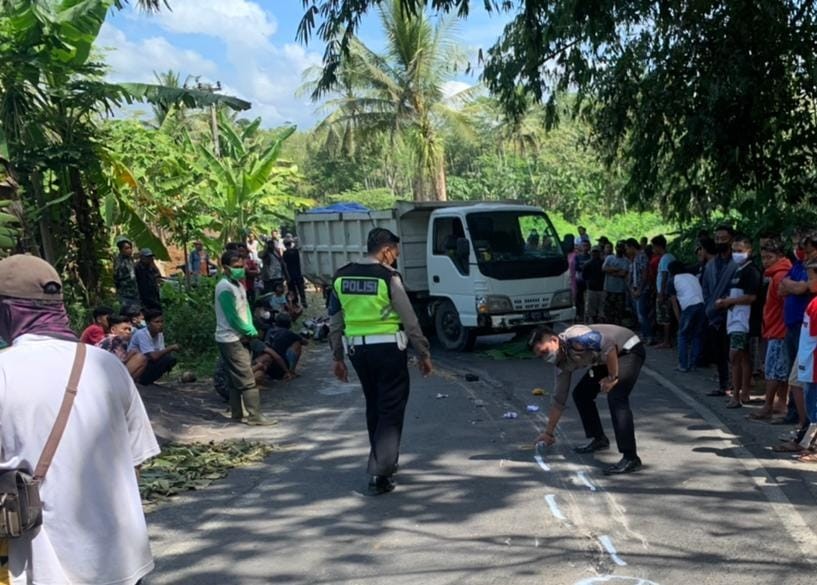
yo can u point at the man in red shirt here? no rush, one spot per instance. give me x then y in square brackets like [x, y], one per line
[96, 331]
[778, 362]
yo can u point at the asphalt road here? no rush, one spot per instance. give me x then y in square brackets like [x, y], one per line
[476, 503]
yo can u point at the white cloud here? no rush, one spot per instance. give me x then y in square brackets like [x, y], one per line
[237, 22]
[251, 65]
[136, 61]
[452, 88]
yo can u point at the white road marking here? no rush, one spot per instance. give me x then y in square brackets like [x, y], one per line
[554, 507]
[583, 478]
[611, 550]
[791, 519]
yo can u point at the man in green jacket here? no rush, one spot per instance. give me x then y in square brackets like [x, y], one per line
[234, 329]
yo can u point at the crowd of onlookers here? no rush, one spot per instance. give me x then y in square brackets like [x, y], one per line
[270, 277]
[743, 306]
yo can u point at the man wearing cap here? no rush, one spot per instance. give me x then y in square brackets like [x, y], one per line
[198, 262]
[124, 276]
[107, 433]
[372, 320]
[147, 280]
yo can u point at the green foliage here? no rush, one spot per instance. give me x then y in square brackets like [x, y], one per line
[190, 318]
[398, 93]
[183, 467]
[632, 224]
[378, 199]
[710, 105]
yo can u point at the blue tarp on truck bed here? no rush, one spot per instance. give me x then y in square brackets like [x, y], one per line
[346, 207]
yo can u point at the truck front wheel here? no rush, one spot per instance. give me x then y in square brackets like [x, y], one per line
[450, 331]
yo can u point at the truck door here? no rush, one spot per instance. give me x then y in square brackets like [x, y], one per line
[449, 271]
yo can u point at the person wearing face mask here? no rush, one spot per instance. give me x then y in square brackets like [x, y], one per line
[715, 282]
[234, 330]
[372, 321]
[608, 358]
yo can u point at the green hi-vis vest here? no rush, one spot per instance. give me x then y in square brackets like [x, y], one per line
[363, 292]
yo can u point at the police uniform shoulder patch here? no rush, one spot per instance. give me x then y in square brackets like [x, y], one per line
[581, 336]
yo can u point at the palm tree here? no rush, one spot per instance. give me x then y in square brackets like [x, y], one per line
[401, 93]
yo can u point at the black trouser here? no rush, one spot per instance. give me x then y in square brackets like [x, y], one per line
[298, 286]
[383, 372]
[618, 399]
[156, 369]
[719, 343]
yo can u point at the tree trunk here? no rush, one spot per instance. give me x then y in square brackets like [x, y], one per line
[440, 190]
[89, 228]
[48, 250]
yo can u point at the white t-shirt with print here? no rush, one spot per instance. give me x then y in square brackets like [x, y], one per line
[93, 529]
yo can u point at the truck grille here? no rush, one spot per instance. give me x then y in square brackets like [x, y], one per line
[527, 303]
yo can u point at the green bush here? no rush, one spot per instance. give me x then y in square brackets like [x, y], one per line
[190, 318]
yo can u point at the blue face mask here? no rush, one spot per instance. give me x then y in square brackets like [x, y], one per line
[740, 257]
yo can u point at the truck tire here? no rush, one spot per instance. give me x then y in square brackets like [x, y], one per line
[450, 331]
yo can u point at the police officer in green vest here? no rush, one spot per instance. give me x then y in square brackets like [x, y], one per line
[372, 321]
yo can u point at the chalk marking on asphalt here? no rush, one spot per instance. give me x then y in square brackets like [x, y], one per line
[583, 478]
[541, 462]
[615, 579]
[554, 507]
[611, 550]
[791, 519]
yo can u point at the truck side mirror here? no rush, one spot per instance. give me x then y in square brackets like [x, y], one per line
[463, 249]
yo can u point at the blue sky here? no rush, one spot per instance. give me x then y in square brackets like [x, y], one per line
[250, 47]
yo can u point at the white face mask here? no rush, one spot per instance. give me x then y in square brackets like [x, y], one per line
[265, 314]
[551, 357]
[740, 257]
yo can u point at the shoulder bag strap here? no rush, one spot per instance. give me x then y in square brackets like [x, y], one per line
[62, 417]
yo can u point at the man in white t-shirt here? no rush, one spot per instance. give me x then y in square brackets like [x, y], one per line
[93, 528]
[687, 298]
[150, 342]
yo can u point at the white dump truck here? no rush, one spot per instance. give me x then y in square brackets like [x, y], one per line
[470, 268]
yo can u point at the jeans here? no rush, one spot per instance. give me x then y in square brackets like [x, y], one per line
[641, 307]
[811, 401]
[690, 336]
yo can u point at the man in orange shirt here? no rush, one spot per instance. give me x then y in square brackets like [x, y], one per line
[778, 362]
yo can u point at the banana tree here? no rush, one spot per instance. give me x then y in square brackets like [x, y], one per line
[52, 96]
[249, 186]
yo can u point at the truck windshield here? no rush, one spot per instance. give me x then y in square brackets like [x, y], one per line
[516, 244]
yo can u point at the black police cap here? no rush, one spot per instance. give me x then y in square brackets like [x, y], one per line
[380, 237]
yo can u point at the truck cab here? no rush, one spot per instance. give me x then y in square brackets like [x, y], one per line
[494, 267]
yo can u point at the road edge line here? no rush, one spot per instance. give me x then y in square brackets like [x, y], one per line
[795, 525]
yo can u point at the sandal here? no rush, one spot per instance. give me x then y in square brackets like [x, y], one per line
[760, 415]
[788, 447]
[810, 457]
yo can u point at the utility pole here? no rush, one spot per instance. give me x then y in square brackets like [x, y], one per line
[212, 88]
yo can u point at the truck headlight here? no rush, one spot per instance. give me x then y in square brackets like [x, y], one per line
[562, 298]
[494, 304]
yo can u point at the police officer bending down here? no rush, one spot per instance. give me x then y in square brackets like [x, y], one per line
[372, 320]
[610, 358]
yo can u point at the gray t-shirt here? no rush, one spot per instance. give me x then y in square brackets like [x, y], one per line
[612, 283]
[584, 347]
